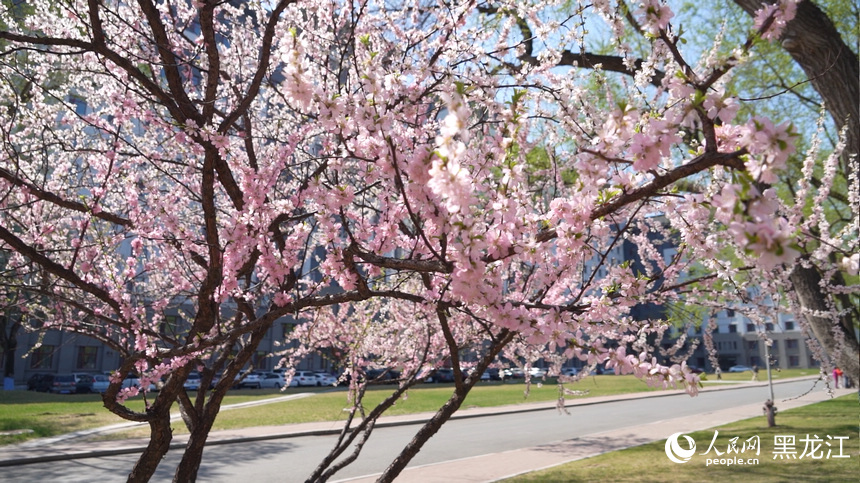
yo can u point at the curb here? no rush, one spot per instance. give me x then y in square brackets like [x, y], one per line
[482, 412]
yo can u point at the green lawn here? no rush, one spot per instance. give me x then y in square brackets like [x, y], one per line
[53, 414]
[648, 463]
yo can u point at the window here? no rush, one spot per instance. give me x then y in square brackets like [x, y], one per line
[793, 361]
[258, 360]
[170, 326]
[42, 357]
[730, 312]
[768, 326]
[791, 343]
[733, 329]
[87, 357]
[750, 327]
[789, 325]
[286, 329]
[80, 105]
[752, 345]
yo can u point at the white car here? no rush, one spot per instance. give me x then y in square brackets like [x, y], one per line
[192, 383]
[274, 380]
[251, 380]
[306, 378]
[325, 379]
[536, 372]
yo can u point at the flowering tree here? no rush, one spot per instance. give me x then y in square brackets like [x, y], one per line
[419, 163]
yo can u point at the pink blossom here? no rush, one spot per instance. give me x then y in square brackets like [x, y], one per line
[782, 12]
[654, 16]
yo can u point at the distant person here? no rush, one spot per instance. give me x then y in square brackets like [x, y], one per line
[837, 373]
[719, 373]
[755, 372]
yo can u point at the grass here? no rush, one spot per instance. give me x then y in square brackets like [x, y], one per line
[648, 463]
[53, 414]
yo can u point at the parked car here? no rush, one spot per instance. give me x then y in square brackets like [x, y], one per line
[63, 384]
[192, 383]
[513, 373]
[251, 380]
[739, 369]
[40, 382]
[305, 378]
[537, 372]
[696, 370]
[569, 371]
[89, 383]
[272, 380]
[444, 375]
[133, 380]
[325, 379]
[493, 373]
[382, 376]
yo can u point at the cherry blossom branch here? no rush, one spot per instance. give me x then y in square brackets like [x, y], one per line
[589, 60]
[700, 163]
[262, 66]
[62, 202]
[56, 269]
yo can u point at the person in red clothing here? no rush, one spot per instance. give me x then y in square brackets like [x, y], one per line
[837, 373]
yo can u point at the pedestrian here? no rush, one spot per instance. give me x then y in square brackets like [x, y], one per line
[755, 372]
[837, 372]
[719, 374]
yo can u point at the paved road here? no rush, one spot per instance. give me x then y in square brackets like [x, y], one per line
[292, 459]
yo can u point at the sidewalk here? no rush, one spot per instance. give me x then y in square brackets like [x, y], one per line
[482, 468]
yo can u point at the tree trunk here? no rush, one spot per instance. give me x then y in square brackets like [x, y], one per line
[200, 418]
[160, 436]
[461, 390]
[187, 470]
[424, 434]
[836, 334]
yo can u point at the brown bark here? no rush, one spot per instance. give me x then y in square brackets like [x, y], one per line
[424, 434]
[187, 470]
[160, 436]
[828, 330]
